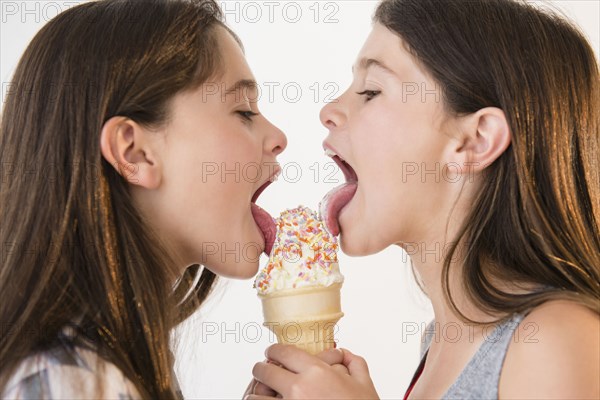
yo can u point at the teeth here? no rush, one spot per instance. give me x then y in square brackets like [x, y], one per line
[331, 153]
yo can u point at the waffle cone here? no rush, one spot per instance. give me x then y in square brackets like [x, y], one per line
[304, 317]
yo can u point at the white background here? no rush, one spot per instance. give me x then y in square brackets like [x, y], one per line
[385, 311]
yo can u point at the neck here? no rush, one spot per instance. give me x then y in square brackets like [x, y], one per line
[428, 262]
[429, 256]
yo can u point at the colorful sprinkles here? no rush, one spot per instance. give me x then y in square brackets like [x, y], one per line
[304, 253]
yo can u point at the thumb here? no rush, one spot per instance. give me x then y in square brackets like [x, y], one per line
[332, 356]
[357, 366]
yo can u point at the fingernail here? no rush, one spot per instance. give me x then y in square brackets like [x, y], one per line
[273, 362]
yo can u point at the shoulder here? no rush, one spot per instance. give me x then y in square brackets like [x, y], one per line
[555, 353]
[67, 373]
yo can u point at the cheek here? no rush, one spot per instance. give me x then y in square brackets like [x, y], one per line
[218, 163]
[196, 191]
[398, 157]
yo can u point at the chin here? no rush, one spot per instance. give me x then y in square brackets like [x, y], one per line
[234, 270]
[353, 248]
[246, 271]
[357, 247]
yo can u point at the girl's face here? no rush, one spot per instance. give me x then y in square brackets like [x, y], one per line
[388, 126]
[215, 155]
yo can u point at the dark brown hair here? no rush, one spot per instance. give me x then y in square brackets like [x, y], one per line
[535, 220]
[74, 246]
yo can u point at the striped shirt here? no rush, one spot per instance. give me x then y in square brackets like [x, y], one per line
[70, 371]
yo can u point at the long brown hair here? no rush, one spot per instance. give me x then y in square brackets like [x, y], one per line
[535, 220]
[74, 246]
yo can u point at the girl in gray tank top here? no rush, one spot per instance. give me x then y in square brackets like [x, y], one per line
[480, 377]
[469, 138]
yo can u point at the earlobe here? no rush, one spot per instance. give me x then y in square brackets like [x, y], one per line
[486, 135]
[124, 146]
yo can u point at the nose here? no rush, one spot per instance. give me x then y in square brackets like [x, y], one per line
[276, 140]
[332, 114]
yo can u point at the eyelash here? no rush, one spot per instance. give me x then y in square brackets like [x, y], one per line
[369, 94]
[247, 115]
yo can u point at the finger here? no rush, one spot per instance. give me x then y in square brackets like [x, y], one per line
[263, 390]
[272, 376]
[340, 369]
[332, 356]
[357, 366]
[273, 362]
[258, 397]
[251, 387]
[291, 357]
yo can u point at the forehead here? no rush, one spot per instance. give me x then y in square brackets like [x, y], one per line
[235, 66]
[381, 39]
[384, 48]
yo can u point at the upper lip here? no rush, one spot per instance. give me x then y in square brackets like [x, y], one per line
[340, 160]
[270, 180]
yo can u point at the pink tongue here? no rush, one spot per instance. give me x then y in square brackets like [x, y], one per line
[332, 204]
[267, 226]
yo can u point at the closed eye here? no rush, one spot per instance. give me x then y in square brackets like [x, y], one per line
[247, 115]
[369, 94]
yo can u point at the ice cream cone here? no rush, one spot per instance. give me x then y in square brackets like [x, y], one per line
[304, 317]
[300, 285]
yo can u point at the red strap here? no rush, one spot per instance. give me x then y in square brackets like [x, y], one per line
[415, 379]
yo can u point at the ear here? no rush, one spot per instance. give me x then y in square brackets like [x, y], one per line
[125, 145]
[485, 135]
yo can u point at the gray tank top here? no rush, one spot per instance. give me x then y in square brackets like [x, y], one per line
[480, 377]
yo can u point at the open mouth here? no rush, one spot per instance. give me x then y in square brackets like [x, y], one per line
[348, 171]
[260, 190]
[339, 197]
[263, 219]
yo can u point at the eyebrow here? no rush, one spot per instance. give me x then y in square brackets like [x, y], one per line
[366, 63]
[242, 84]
